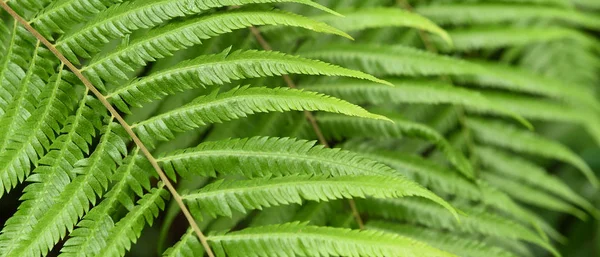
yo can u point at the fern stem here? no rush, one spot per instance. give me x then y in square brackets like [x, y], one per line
[119, 118]
[310, 117]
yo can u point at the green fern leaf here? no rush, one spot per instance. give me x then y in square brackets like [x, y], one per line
[91, 234]
[507, 136]
[129, 229]
[340, 127]
[223, 197]
[492, 37]
[64, 13]
[164, 41]
[400, 61]
[268, 156]
[530, 195]
[240, 102]
[298, 239]
[413, 92]
[73, 201]
[223, 68]
[461, 246]
[532, 174]
[29, 141]
[372, 18]
[122, 19]
[53, 173]
[477, 220]
[458, 14]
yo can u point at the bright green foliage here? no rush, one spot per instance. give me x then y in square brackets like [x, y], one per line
[297, 239]
[476, 219]
[404, 61]
[532, 174]
[412, 92]
[460, 246]
[163, 41]
[399, 128]
[496, 13]
[238, 103]
[509, 137]
[221, 197]
[224, 68]
[443, 122]
[265, 156]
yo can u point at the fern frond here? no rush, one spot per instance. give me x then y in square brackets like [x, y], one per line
[53, 173]
[223, 197]
[175, 36]
[426, 173]
[29, 141]
[464, 14]
[187, 246]
[240, 102]
[340, 127]
[401, 61]
[122, 19]
[491, 37]
[298, 239]
[411, 91]
[506, 136]
[91, 234]
[61, 14]
[13, 66]
[477, 221]
[523, 170]
[268, 156]
[532, 196]
[74, 200]
[223, 68]
[375, 17]
[128, 229]
[366, 18]
[459, 245]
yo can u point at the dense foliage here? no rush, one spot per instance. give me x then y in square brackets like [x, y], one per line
[299, 128]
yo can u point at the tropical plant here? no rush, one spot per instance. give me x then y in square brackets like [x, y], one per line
[296, 127]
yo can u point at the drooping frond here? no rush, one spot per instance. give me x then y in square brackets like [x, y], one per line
[478, 13]
[164, 41]
[91, 234]
[530, 195]
[223, 197]
[121, 19]
[263, 156]
[477, 220]
[402, 61]
[507, 136]
[298, 239]
[240, 102]
[63, 13]
[223, 68]
[448, 182]
[410, 91]
[459, 245]
[382, 17]
[523, 170]
[187, 246]
[129, 229]
[340, 127]
[74, 200]
[426, 173]
[491, 37]
[53, 173]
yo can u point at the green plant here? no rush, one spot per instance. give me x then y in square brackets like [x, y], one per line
[452, 116]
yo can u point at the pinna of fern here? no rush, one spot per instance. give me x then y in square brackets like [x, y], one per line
[181, 62]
